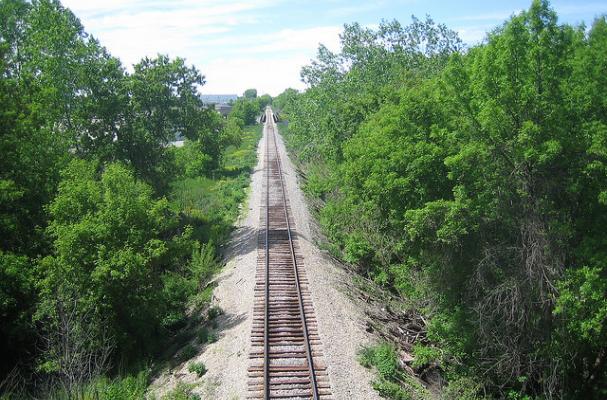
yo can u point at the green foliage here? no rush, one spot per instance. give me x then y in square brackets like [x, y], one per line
[187, 353]
[214, 312]
[246, 110]
[64, 97]
[583, 305]
[392, 382]
[212, 337]
[264, 100]
[17, 301]
[581, 310]
[203, 335]
[391, 390]
[165, 104]
[473, 183]
[425, 355]
[130, 387]
[212, 205]
[383, 357]
[250, 94]
[109, 252]
[286, 99]
[198, 368]
[127, 388]
[192, 161]
[463, 388]
[204, 263]
[183, 391]
[95, 265]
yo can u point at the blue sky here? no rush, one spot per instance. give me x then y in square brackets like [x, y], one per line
[239, 44]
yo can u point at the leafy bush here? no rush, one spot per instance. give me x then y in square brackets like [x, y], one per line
[203, 335]
[383, 357]
[192, 161]
[204, 263]
[109, 255]
[213, 337]
[198, 367]
[187, 353]
[391, 390]
[425, 355]
[214, 312]
[183, 391]
[130, 387]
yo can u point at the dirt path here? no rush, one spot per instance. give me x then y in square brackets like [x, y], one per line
[340, 320]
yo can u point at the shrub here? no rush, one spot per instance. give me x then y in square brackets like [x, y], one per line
[214, 312]
[188, 352]
[213, 337]
[391, 390]
[383, 357]
[425, 355]
[183, 391]
[197, 367]
[203, 335]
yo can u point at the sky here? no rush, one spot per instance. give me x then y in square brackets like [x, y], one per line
[262, 44]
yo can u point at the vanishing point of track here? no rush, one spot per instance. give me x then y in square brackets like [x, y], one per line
[286, 356]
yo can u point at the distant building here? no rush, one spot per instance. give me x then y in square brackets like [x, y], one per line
[221, 102]
[223, 109]
[218, 98]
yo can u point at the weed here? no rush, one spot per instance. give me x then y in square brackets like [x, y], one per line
[203, 335]
[212, 337]
[183, 391]
[425, 355]
[383, 357]
[391, 390]
[365, 357]
[188, 352]
[130, 387]
[197, 367]
[214, 312]
[392, 382]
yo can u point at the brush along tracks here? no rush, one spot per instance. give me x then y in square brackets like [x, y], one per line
[286, 360]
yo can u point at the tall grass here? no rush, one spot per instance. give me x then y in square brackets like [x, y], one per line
[130, 387]
[212, 203]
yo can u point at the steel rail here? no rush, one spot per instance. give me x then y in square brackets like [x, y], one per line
[266, 329]
[304, 324]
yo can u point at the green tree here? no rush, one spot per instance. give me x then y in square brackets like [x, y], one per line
[250, 94]
[474, 184]
[264, 101]
[109, 255]
[246, 110]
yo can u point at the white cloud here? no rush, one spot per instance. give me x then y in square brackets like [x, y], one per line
[302, 40]
[209, 35]
[284, 53]
[271, 75]
[472, 35]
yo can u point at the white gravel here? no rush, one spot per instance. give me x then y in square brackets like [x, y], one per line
[340, 319]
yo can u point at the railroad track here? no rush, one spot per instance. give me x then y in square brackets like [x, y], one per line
[286, 360]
